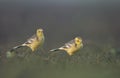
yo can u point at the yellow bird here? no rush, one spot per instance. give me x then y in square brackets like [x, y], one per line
[34, 42]
[71, 47]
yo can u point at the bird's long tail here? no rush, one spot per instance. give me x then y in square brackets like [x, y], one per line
[57, 49]
[14, 48]
[11, 53]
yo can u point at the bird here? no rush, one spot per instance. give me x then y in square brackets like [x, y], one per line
[35, 42]
[71, 47]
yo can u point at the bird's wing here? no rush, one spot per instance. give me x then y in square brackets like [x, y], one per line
[69, 44]
[30, 40]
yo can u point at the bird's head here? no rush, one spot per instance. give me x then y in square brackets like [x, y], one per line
[39, 32]
[78, 40]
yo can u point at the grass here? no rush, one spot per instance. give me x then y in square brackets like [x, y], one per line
[93, 61]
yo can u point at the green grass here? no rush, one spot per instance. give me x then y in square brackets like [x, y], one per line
[93, 61]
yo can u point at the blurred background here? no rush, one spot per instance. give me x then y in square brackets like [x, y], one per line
[63, 20]
[96, 21]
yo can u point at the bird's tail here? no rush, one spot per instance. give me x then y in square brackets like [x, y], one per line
[11, 53]
[53, 52]
[57, 49]
[14, 48]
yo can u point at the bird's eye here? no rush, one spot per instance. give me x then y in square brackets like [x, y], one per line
[39, 31]
[78, 40]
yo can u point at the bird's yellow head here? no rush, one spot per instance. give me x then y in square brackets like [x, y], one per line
[39, 32]
[78, 40]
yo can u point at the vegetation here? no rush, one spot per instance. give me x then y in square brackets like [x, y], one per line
[93, 61]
